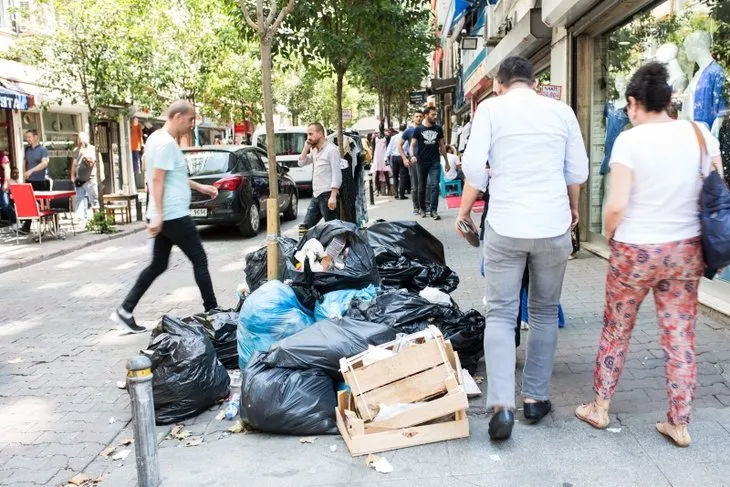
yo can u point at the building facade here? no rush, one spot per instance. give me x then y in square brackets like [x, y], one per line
[584, 52]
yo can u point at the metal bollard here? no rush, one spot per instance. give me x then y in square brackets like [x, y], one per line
[139, 385]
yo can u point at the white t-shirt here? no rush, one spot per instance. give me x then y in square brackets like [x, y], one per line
[664, 202]
[454, 161]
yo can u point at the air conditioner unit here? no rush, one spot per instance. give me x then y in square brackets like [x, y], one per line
[493, 32]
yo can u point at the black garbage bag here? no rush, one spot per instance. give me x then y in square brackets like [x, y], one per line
[323, 344]
[415, 241]
[360, 268]
[407, 312]
[256, 263]
[398, 271]
[187, 376]
[287, 401]
[221, 326]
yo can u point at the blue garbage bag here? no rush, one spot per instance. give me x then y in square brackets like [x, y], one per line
[269, 314]
[336, 303]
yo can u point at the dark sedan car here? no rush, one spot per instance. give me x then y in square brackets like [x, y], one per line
[239, 173]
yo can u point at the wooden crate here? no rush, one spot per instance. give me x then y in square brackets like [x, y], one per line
[362, 440]
[419, 373]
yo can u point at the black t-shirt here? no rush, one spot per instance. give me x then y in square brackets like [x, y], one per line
[428, 139]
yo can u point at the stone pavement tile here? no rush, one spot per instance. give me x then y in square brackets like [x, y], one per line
[716, 474]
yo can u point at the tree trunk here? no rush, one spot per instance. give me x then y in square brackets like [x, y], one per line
[348, 190]
[387, 111]
[381, 112]
[99, 168]
[272, 204]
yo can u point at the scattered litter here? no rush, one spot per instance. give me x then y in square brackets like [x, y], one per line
[470, 385]
[107, 451]
[81, 480]
[478, 379]
[237, 427]
[98, 394]
[333, 448]
[178, 433]
[380, 464]
[121, 384]
[112, 420]
[308, 439]
[221, 415]
[122, 455]
[495, 458]
[436, 296]
[235, 376]
[376, 354]
[388, 411]
[193, 441]
[127, 442]
[15, 360]
[613, 430]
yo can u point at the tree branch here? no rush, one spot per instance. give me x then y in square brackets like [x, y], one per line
[260, 18]
[247, 15]
[272, 12]
[282, 15]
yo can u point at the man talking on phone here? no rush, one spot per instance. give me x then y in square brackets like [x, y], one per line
[327, 177]
[169, 212]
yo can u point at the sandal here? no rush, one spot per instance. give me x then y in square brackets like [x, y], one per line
[587, 413]
[678, 434]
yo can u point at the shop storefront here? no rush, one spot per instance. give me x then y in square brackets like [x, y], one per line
[58, 133]
[610, 43]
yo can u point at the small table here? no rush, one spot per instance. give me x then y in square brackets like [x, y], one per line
[126, 204]
[44, 202]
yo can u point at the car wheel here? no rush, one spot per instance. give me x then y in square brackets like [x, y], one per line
[251, 222]
[292, 211]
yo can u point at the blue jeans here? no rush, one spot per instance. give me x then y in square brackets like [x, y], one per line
[87, 189]
[6, 207]
[429, 174]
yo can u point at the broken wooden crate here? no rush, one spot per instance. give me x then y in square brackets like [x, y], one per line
[424, 373]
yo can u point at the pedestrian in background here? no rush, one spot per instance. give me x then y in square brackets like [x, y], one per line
[137, 143]
[653, 226]
[169, 213]
[83, 174]
[537, 162]
[464, 134]
[380, 168]
[5, 205]
[429, 137]
[404, 149]
[36, 166]
[400, 171]
[327, 176]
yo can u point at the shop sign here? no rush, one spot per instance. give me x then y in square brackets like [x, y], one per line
[12, 101]
[418, 97]
[552, 91]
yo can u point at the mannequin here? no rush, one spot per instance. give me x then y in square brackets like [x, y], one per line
[704, 100]
[616, 120]
[667, 54]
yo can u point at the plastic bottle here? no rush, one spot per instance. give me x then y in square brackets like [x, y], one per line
[232, 407]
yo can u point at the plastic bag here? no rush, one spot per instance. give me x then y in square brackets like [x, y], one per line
[221, 326]
[287, 401]
[408, 312]
[323, 344]
[256, 263]
[409, 236]
[360, 268]
[269, 314]
[398, 271]
[336, 303]
[187, 376]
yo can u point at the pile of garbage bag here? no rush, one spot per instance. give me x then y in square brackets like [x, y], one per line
[408, 256]
[409, 312]
[336, 303]
[187, 377]
[221, 326]
[269, 314]
[256, 269]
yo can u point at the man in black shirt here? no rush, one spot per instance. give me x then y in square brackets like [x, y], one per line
[431, 146]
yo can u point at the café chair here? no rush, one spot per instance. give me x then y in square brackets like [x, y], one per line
[65, 205]
[26, 208]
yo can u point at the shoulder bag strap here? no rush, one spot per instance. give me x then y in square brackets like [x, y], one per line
[703, 146]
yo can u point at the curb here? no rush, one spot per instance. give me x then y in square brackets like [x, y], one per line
[58, 253]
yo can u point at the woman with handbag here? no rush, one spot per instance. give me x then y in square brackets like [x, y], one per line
[653, 225]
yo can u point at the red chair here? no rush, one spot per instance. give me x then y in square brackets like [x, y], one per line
[26, 207]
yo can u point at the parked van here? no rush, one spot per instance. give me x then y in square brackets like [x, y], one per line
[289, 143]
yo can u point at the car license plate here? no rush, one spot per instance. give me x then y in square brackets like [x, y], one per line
[199, 213]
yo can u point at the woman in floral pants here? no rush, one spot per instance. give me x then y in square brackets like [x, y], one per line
[652, 222]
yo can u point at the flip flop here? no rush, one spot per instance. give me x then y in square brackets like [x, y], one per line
[584, 411]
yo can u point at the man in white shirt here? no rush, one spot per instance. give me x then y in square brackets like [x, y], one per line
[537, 162]
[400, 171]
[327, 177]
[464, 134]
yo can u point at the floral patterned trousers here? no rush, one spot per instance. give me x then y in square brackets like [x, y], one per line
[672, 271]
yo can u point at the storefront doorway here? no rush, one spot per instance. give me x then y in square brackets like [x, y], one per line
[107, 145]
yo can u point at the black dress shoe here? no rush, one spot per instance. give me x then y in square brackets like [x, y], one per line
[500, 426]
[535, 411]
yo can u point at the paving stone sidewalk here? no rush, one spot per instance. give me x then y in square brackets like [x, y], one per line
[56, 404]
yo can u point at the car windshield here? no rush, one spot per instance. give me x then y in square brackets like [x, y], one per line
[202, 163]
[286, 144]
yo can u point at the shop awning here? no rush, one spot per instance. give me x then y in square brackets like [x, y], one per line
[527, 36]
[478, 28]
[442, 85]
[457, 11]
[14, 100]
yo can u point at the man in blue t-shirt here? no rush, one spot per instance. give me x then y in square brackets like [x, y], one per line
[429, 137]
[169, 212]
[404, 149]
